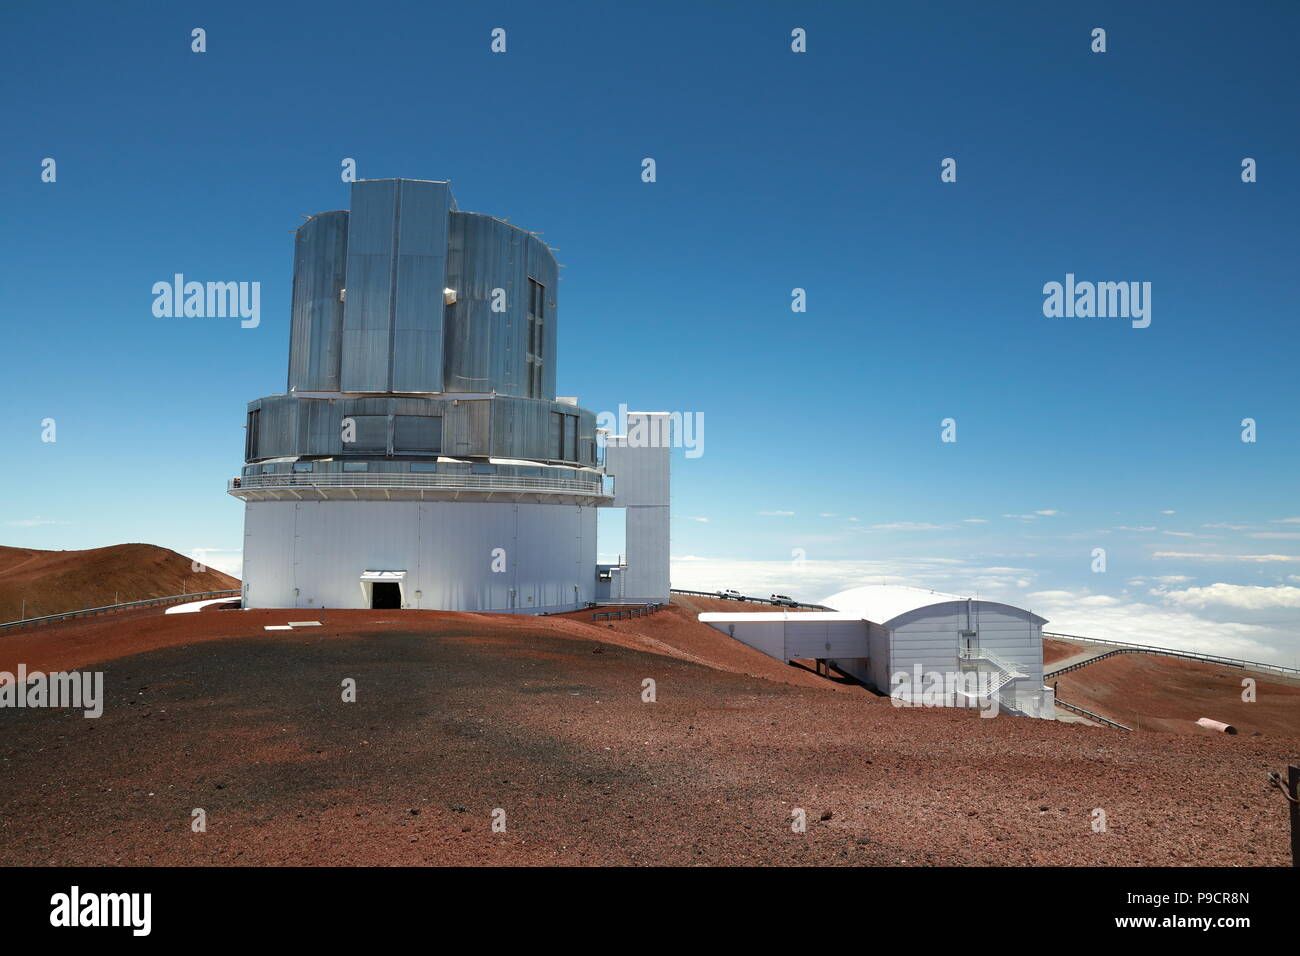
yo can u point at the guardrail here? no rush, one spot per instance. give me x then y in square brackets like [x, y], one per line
[627, 612]
[1089, 714]
[432, 482]
[1125, 647]
[753, 600]
[93, 611]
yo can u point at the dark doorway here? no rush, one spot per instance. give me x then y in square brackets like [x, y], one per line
[385, 594]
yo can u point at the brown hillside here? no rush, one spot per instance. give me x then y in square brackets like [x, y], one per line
[1168, 694]
[53, 582]
[1054, 650]
[459, 714]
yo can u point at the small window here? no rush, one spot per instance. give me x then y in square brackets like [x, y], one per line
[417, 433]
[252, 437]
[423, 467]
[483, 469]
[301, 466]
[268, 469]
[368, 433]
[356, 466]
[557, 435]
[536, 353]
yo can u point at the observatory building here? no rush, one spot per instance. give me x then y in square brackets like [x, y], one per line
[420, 457]
[918, 646]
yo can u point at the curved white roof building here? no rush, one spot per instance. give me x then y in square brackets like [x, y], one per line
[886, 603]
[922, 647]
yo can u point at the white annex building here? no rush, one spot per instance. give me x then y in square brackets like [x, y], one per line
[420, 456]
[915, 645]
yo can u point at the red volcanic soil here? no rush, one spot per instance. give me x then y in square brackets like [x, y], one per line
[692, 602]
[677, 632]
[457, 716]
[52, 582]
[1054, 650]
[1168, 694]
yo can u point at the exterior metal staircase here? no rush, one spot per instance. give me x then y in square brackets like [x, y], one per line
[1003, 671]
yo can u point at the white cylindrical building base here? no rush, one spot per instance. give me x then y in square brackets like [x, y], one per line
[508, 557]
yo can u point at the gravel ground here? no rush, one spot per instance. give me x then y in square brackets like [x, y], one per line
[460, 715]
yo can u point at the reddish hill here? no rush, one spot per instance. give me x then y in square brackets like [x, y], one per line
[1054, 650]
[1168, 694]
[52, 582]
[460, 714]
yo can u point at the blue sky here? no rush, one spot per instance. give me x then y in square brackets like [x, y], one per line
[775, 170]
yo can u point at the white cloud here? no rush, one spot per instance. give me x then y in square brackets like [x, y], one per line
[909, 526]
[1050, 511]
[1246, 596]
[1275, 534]
[227, 560]
[1255, 558]
[1182, 534]
[1171, 512]
[776, 514]
[813, 579]
[1138, 623]
[975, 520]
[1049, 597]
[704, 520]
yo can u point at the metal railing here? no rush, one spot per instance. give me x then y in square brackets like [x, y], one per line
[1124, 647]
[627, 612]
[1008, 671]
[981, 653]
[1089, 714]
[148, 602]
[430, 482]
[752, 600]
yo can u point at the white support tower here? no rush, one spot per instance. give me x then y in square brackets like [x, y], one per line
[639, 462]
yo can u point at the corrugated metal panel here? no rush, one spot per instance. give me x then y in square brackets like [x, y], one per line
[367, 315]
[416, 433]
[322, 548]
[371, 433]
[277, 427]
[641, 473]
[481, 348]
[543, 268]
[824, 639]
[418, 309]
[320, 267]
[465, 428]
[487, 350]
[318, 427]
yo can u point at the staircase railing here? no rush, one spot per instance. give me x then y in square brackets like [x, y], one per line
[1006, 671]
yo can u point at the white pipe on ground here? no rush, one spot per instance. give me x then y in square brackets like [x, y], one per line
[1218, 725]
